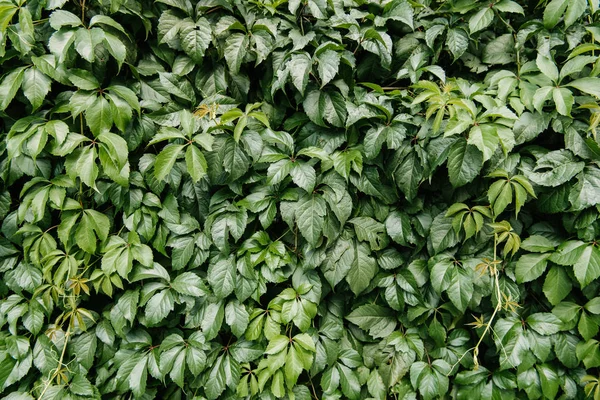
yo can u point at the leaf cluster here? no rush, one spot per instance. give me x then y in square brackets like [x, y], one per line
[300, 199]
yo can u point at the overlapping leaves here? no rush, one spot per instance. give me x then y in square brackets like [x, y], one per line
[301, 199]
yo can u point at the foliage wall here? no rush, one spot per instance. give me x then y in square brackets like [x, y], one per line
[299, 199]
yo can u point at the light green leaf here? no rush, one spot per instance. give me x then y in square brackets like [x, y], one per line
[349, 382]
[328, 63]
[363, 269]
[555, 168]
[587, 85]
[166, 159]
[189, 284]
[36, 86]
[586, 192]
[485, 138]
[196, 39]
[9, 86]
[531, 266]
[236, 317]
[195, 162]
[138, 377]
[553, 11]
[481, 20]
[457, 41]
[547, 66]
[299, 67]
[563, 99]
[222, 277]
[304, 176]
[310, 215]
[99, 117]
[574, 10]
[544, 323]
[464, 163]
[587, 267]
[159, 307]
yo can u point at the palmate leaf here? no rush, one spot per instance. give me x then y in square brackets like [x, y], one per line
[252, 201]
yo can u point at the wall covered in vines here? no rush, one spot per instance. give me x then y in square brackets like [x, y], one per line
[302, 199]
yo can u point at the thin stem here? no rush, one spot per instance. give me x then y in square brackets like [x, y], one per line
[503, 20]
[83, 12]
[488, 326]
[314, 392]
[60, 362]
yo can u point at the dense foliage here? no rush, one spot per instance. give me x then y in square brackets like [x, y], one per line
[299, 199]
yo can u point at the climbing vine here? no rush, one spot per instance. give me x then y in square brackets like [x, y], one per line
[299, 199]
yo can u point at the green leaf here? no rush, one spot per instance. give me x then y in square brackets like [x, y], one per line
[349, 382]
[547, 67]
[9, 86]
[555, 168]
[159, 307]
[189, 284]
[531, 266]
[481, 20]
[36, 86]
[409, 175]
[460, 289]
[222, 277]
[586, 85]
[457, 41]
[195, 40]
[464, 163]
[166, 160]
[328, 63]
[304, 176]
[587, 267]
[544, 323]
[235, 51]
[553, 11]
[563, 99]
[587, 326]
[195, 162]
[363, 269]
[310, 216]
[236, 317]
[574, 10]
[557, 285]
[99, 117]
[376, 387]
[399, 228]
[92, 224]
[367, 229]
[325, 106]
[442, 234]
[138, 377]
[299, 67]
[586, 192]
[379, 321]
